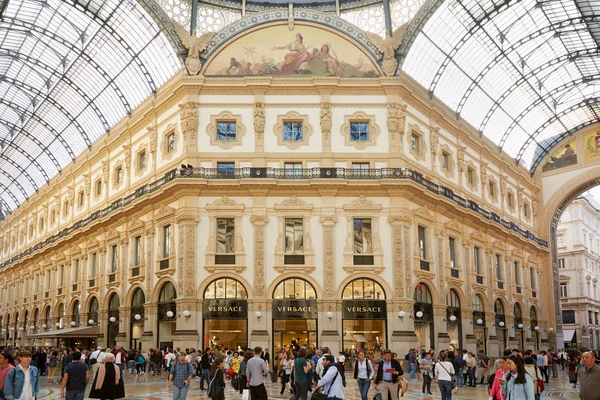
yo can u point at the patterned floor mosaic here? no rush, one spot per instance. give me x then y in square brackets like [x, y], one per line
[155, 388]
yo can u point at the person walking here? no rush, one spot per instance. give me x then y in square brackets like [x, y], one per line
[572, 368]
[363, 373]
[301, 369]
[444, 371]
[332, 381]
[496, 392]
[96, 359]
[517, 384]
[532, 370]
[388, 371]
[216, 388]
[256, 370]
[412, 362]
[52, 366]
[205, 363]
[23, 381]
[286, 365]
[483, 370]
[180, 378]
[590, 378]
[427, 372]
[243, 377]
[108, 382]
[5, 366]
[75, 379]
[553, 359]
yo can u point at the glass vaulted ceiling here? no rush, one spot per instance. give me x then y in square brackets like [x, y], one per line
[69, 71]
[526, 73]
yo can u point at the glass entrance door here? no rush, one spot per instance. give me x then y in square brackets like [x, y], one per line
[290, 332]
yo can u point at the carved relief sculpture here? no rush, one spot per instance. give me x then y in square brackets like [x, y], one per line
[152, 133]
[396, 119]
[435, 140]
[195, 46]
[259, 119]
[326, 120]
[189, 120]
[388, 47]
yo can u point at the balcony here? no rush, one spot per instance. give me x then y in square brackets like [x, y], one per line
[135, 271]
[396, 174]
[163, 264]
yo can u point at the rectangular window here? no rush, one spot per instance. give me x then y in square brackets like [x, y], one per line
[171, 142]
[76, 270]
[113, 258]
[422, 242]
[142, 160]
[93, 265]
[492, 189]
[61, 276]
[359, 131]
[509, 200]
[118, 175]
[166, 241]
[226, 130]
[292, 130]
[293, 170]
[362, 236]
[499, 274]
[563, 291]
[470, 176]
[590, 317]
[225, 169]
[66, 208]
[81, 198]
[361, 166]
[526, 211]
[561, 263]
[517, 273]
[477, 260]
[415, 142]
[294, 235]
[445, 161]
[47, 283]
[560, 240]
[137, 257]
[533, 279]
[452, 251]
[98, 187]
[568, 316]
[225, 236]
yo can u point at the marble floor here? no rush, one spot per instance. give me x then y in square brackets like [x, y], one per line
[155, 388]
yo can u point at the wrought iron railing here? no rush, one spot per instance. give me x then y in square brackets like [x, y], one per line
[285, 174]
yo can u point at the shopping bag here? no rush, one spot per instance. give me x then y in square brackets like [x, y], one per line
[377, 397]
[246, 394]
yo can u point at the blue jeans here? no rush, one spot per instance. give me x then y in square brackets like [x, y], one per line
[413, 370]
[205, 377]
[180, 393]
[459, 378]
[363, 388]
[131, 365]
[74, 394]
[121, 367]
[445, 389]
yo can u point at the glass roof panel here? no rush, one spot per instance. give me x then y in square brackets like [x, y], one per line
[68, 72]
[512, 69]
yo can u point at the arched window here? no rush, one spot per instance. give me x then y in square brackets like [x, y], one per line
[225, 288]
[60, 314]
[16, 321]
[137, 305]
[75, 312]
[294, 288]
[478, 304]
[26, 320]
[114, 303]
[499, 307]
[533, 314]
[452, 299]
[363, 289]
[93, 311]
[36, 317]
[422, 294]
[518, 313]
[48, 318]
[166, 302]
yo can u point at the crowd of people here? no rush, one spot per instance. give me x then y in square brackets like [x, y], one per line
[517, 375]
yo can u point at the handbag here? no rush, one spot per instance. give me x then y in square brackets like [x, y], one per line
[452, 380]
[246, 394]
[540, 382]
[376, 397]
[318, 395]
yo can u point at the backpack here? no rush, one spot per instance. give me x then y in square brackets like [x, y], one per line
[53, 361]
[406, 357]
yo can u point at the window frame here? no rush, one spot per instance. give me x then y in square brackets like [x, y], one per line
[362, 118]
[293, 117]
[212, 130]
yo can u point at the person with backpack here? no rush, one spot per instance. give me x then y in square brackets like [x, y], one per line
[52, 366]
[363, 373]
[180, 378]
[332, 381]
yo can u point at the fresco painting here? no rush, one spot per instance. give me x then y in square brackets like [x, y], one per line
[277, 51]
[563, 157]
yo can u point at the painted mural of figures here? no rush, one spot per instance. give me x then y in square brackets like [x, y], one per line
[296, 61]
[235, 67]
[328, 56]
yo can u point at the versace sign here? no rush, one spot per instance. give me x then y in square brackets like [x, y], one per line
[364, 309]
[223, 308]
[295, 309]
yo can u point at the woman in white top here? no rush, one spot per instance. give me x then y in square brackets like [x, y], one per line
[444, 371]
[363, 373]
[286, 365]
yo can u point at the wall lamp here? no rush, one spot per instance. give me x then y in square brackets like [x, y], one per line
[401, 314]
[329, 315]
[139, 317]
[258, 315]
[186, 313]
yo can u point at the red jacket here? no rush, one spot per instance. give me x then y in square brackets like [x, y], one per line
[123, 356]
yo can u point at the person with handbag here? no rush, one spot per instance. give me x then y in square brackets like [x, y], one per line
[363, 373]
[388, 371]
[517, 384]
[216, 387]
[444, 371]
[331, 385]
[286, 366]
[535, 373]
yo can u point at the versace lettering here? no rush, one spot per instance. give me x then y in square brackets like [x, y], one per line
[364, 309]
[224, 309]
[294, 309]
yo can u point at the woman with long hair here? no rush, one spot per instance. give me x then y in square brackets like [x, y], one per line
[216, 388]
[517, 384]
[444, 371]
[286, 365]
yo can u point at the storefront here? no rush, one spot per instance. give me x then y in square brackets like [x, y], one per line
[423, 314]
[479, 324]
[501, 332]
[225, 314]
[453, 320]
[294, 315]
[166, 322]
[519, 333]
[113, 320]
[136, 319]
[364, 317]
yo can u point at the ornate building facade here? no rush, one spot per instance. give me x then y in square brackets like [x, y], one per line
[578, 242]
[248, 206]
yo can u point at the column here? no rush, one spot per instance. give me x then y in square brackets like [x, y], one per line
[259, 326]
[330, 332]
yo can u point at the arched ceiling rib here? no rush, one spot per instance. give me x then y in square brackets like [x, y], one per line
[70, 70]
[524, 72]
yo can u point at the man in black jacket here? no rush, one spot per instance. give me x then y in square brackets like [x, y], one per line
[387, 376]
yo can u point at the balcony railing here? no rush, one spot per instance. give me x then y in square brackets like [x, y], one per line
[280, 173]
